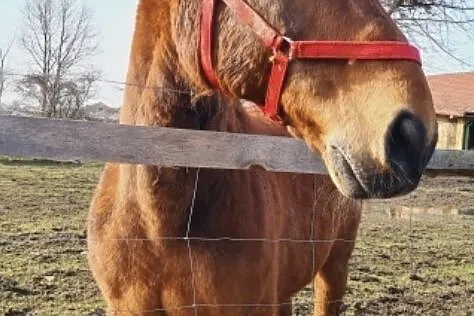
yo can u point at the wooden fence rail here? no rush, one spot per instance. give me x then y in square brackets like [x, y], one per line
[94, 141]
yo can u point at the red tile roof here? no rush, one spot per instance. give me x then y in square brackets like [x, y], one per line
[453, 94]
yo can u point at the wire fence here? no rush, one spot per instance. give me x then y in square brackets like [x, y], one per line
[397, 267]
[30, 218]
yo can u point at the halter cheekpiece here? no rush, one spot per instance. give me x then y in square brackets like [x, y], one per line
[285, 50]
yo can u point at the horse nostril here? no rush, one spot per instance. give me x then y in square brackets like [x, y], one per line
[406, 143]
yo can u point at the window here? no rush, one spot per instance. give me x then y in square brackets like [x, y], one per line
[469, 135]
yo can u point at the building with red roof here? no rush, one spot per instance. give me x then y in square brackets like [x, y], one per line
[453, 97]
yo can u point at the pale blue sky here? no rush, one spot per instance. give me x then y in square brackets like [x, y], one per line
[115, 19]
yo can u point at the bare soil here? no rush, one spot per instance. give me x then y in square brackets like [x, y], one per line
[405, 263]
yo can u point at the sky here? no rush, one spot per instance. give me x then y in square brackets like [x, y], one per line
[115, 20]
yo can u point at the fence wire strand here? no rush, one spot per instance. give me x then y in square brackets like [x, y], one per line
[188, 241]
[219, 306]
[114, 82]
[313, 245]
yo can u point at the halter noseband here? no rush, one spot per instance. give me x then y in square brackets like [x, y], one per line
[284, 50]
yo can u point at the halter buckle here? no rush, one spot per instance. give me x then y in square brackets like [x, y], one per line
[283, 47]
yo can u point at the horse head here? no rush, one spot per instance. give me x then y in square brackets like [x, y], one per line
[372, 121]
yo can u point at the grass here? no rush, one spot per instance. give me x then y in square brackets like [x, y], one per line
[400, 267]
[42, 223]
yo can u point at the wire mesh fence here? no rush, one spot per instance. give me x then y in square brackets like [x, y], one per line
[413, 255]
[405, 262]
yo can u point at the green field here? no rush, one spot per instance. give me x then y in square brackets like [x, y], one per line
[402, 266]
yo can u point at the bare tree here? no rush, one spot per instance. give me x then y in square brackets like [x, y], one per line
[434, 20]
[75, 94]
[3, 67]
[59, 39]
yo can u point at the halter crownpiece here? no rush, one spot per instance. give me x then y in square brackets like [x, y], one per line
[285, 50]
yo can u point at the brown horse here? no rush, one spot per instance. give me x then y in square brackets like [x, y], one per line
[255, 238]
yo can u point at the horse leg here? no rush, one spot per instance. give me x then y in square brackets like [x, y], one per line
[331, 281]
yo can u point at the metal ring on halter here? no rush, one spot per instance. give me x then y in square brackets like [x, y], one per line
[283, 46]
[286, 47]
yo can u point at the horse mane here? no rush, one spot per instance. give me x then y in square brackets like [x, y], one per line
[155, 46]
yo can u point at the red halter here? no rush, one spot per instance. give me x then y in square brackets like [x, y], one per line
[285, 50]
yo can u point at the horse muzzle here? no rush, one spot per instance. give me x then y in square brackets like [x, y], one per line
[407, 152]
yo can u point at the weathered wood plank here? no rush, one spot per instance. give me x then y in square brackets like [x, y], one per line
[93, 141]
[452, 162]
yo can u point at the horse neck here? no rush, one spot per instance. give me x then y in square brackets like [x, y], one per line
[161, 77]
[159, 94]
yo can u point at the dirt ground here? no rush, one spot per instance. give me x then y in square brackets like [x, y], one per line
[405, 263]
